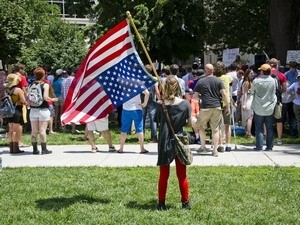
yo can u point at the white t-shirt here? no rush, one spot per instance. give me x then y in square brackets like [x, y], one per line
[133, 103]
[235, 82]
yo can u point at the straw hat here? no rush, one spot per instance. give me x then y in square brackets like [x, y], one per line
[12, 80]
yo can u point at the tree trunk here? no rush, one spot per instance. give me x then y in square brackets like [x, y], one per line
[284, 27]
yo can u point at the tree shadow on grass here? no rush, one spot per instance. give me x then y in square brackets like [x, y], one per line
[56, 204]
[145, 206]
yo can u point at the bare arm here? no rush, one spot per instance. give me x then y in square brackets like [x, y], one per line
[21, 94]
[46, 94]
[226, 99]
[146, 98]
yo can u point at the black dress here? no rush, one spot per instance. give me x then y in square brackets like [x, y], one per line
[179, 115]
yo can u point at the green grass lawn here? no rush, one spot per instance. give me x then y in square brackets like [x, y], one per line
[61, 138]
[97, 195]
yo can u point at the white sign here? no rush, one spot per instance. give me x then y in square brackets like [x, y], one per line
[293, 55]
[229, 55]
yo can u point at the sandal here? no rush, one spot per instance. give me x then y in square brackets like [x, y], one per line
[144, 152]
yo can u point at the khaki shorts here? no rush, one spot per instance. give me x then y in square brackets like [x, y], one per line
[98, 125]
[213, 116]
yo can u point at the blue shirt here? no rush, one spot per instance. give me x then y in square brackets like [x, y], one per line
[57, 87]
[291, 76]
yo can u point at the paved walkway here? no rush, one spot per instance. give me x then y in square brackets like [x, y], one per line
[80, 155]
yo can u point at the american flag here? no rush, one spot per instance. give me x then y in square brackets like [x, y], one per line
[110, 74]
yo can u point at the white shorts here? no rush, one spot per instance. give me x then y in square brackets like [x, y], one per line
[39, 114]
[98, 125]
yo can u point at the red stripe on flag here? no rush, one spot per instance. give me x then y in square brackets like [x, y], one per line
[108, 59]
[110, 45]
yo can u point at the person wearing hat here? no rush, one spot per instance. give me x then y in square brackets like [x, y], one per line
[264, 100]
[15, 123]
[281, 88]
[295, 90]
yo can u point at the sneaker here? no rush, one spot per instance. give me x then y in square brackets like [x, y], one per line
[215, 153]
[186, 205]
[220, 149]
[228, 149]
[201, 149]
[257, 149]
[268, 149]
[279, 142]
[94, 150]
[112, 149]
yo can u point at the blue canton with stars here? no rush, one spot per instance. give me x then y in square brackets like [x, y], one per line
[125, 80]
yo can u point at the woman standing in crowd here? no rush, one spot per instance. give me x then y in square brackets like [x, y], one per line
[40, 115]
[246, 100]
[180, 112]
[16, 122]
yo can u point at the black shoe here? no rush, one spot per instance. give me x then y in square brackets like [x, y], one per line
[36, 152]
[161, 206]
[46, 151]
[228, 149]
[186, 205]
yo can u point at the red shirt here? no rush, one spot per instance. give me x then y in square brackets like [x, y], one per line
[281, 76]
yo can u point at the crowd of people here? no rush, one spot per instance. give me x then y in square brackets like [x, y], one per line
[213, 97]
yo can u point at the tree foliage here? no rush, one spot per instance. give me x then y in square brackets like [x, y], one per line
[237, 24]
[35, 34]
[176, 29]
[15, 30]
[62, 46]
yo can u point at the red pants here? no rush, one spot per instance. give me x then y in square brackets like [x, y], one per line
[182, 179]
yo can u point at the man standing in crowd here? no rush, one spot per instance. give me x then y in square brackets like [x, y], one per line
[263, 104]
[210, 89]
[287, 99]
[280, 88]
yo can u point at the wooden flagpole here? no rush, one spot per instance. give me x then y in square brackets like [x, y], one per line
[145, 50]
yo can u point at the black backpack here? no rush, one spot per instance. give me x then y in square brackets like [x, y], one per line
[278, 86]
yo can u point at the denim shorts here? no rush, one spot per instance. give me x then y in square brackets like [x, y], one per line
[39, 114]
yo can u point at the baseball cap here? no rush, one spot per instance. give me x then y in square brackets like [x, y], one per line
[265, 67]
[60, 71]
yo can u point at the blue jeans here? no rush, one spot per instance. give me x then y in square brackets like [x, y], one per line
[150, 110]
[259, 131]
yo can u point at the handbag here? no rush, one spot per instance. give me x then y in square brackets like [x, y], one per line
[181, 142]
[277, 110]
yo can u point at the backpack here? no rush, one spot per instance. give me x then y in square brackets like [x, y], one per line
[35, 96]
[278, 86]
[7, 108]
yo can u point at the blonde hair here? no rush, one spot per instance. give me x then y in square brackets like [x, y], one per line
[172, 88]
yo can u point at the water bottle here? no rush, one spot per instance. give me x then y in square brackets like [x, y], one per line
[0, 163]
